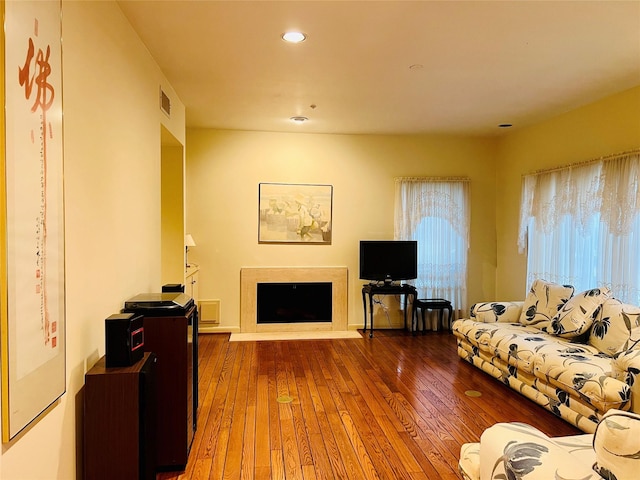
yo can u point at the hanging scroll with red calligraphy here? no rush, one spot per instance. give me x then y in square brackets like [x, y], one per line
[32, 299]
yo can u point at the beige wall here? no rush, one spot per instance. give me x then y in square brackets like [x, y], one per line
[224, 169]
[609, 126]
[112, 209]
[172, 225]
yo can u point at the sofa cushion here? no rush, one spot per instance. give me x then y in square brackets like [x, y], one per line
[519, 347]
[480, 334]
[518, 451]
[576, 316]
[617, 445]
[543, 302]
[520, 438]
[584, 372]
[616, 327]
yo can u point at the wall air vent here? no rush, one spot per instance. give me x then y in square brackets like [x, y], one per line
[165, 103]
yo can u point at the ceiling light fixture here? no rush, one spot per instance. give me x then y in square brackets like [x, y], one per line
[294, 37]
[298, 119]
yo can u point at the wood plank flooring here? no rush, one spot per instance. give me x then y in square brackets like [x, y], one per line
[391, 407]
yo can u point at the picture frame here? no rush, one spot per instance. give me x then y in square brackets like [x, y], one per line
[295, 213]
[32, 297]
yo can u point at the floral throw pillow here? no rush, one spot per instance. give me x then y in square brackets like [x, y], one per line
[576, 316]
[505, 312]
[543, 302]
[616, 327]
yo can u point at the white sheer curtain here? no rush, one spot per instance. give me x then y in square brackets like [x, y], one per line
[581, 226]
[436, 213]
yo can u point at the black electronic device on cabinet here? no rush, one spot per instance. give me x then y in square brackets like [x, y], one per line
[124, 338]
[173, 287]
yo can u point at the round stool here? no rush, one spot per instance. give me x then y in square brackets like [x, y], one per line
[432, 304]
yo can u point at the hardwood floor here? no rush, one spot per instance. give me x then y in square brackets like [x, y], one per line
[391, 407]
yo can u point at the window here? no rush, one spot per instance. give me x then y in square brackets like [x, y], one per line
[580, 226]
[435, 212]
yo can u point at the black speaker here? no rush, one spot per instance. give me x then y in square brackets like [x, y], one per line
[124, 334]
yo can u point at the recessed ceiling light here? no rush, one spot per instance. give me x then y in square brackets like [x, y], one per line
[294, 37]
[298, 119]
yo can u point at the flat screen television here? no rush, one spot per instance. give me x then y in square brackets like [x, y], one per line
[388, 260]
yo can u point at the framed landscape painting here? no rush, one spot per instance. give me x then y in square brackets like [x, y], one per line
[32, 303]
[295, 213]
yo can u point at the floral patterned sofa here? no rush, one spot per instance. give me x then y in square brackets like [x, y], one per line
[576, 355]
[518, 451]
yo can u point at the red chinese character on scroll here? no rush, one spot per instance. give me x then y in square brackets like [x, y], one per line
[33, 75]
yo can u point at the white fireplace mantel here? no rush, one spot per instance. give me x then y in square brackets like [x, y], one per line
[250, 277]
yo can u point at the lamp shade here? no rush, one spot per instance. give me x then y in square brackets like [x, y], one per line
[188, 241]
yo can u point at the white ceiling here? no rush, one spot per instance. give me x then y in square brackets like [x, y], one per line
[483, 63]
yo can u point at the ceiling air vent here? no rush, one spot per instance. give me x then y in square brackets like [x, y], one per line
[165, 103]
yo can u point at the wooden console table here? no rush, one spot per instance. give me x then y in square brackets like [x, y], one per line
[374, 289]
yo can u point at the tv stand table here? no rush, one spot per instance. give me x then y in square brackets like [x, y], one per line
[372, 289]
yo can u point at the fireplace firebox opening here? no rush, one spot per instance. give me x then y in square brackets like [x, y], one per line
[288, 302]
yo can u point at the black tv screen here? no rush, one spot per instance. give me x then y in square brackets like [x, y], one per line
[388, 260]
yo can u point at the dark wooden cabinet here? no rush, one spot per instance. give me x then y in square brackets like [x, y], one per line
[174, 340]
[120, 421]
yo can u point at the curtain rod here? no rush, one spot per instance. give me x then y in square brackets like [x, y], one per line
[612, 156]
[432, 179]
